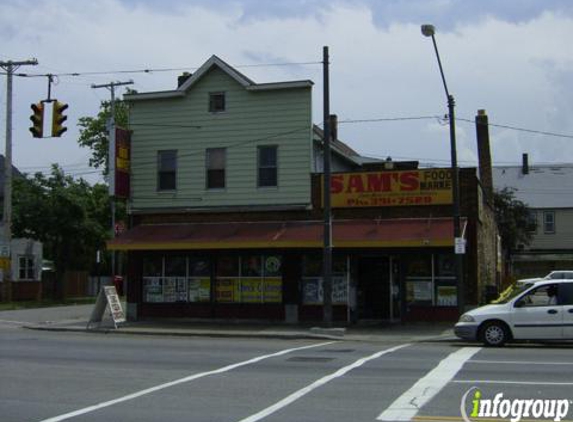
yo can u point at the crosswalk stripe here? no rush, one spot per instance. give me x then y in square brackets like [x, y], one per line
[408, 404]
[318, 383]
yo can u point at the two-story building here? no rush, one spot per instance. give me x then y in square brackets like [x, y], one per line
[546, 190]
[226, 213]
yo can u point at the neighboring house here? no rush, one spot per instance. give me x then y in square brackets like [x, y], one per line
[548, 192]
[25, 259]
[226, 216]
[26, 269]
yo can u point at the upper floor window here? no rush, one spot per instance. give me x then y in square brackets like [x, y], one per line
[215, 163]
[216, 102]
[532, 221]
[549, 222]
[26, 267]
[167, 170]
[267, 166]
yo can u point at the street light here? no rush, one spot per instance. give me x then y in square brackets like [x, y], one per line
[429, 31]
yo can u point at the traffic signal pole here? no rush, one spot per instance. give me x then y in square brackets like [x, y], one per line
[9, 67]
[111, 159]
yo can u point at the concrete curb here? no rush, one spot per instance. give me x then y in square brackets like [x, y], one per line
[188, 333]
[314, 333]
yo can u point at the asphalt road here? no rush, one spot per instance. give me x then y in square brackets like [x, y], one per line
[50, 376]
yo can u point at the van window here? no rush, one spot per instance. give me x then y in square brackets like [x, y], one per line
[566, 293]
[541, 296]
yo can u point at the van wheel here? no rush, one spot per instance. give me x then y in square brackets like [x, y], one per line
[494, 334]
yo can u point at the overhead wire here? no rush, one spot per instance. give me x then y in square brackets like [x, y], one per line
[439, 118]
[158, 70]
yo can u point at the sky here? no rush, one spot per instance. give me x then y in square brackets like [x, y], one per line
[511, 58]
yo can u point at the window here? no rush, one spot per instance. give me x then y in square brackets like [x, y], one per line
[216, 158]
[532, 221]
[312, 288]
[176, 278]
[167, 170]
[26, 268]
[541, 296]
[249, 279]
[566, 293]
[216, 102]
[549, 222]
[267, 163]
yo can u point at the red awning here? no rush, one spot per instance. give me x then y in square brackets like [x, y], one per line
[422, 232]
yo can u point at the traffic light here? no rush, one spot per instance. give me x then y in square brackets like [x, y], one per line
[37, 119]
[58, 118]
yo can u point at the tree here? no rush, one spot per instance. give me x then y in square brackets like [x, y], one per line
[70, 217]
[512, 217]
[94, 132]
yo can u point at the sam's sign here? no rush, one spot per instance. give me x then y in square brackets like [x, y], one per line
[391, 188]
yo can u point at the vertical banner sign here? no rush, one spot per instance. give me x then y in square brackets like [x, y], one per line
[122, 162]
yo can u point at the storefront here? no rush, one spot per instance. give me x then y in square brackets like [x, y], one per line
[382, 270]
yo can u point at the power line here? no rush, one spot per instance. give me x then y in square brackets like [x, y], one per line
[443, 119]
[520, 129]
[158, 70]
[389, 119]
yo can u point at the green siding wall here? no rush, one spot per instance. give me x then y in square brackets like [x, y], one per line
[252, 118]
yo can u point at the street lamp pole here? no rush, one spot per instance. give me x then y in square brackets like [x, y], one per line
[429, 31]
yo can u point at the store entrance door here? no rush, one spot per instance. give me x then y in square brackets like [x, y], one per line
[373, 289]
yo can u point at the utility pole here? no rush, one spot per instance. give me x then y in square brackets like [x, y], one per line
[327, 237]
[9, 66]
[110, 158]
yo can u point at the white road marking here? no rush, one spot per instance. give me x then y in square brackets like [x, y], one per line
[510, 382]
[515, 362]
[6, 321]
[179, 381]
[408, 404]
[318, 383]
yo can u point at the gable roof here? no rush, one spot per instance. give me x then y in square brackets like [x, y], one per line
[337, 146]
[215, 61]
[548, 186]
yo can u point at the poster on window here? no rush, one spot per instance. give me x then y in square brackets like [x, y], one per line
[251, 290]
[153, 289]
[339, 290]
[225, 291]
[419, 291]
[199, 289]
[447, 296]
[170, 289]
[181, 289]
[273, 290]
[272, 266]
[312, 291]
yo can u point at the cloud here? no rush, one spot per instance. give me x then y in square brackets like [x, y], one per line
[513, 62]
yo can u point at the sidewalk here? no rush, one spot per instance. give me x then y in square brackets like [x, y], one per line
[373, 332]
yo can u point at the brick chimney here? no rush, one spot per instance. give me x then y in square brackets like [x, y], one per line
[182, 78]
[484, 154]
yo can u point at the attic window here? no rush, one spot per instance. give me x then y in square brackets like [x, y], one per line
[216, 102]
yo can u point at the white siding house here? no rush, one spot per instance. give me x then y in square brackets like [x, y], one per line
[548, 191]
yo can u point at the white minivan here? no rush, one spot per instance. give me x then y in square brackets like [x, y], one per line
[534, 311]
